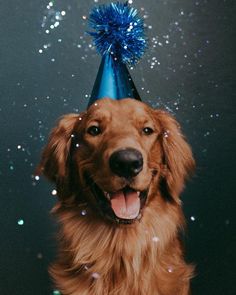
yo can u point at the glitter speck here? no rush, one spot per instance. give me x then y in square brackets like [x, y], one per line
[193, 218]
[36, 177]
[63, 12]
[155, 239]
[20, 222]
[56, 292]
[77, 145]
[40, 51]
[96, 275]
[39, 255]
[83, 212]
[166, 134]
[19, 147]
[207, 134]
[170, 269]
[54, 192]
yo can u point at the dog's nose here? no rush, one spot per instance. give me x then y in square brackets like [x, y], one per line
[126, 162]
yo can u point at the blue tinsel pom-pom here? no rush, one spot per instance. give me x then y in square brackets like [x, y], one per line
[119, 30]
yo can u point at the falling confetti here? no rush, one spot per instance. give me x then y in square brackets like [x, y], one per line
[83, 212]
[51, 21]
[20, 222]
[39, 255]
[96, 275]
[54, 192]
[36, 177]
[155, 239]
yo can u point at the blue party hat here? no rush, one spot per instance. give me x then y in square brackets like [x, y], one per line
[120, 39]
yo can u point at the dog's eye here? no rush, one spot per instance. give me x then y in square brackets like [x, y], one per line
[148, 130]
[94, 130]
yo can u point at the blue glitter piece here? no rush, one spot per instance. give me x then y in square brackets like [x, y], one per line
[119, 31]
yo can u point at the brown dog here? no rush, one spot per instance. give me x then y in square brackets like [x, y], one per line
[119, 169]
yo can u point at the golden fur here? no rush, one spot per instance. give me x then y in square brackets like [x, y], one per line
[98, 256]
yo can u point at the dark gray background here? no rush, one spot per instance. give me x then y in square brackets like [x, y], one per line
[188, 70]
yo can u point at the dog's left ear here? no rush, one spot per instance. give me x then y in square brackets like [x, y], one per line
[177, 155]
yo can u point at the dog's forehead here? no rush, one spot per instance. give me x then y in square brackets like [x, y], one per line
[127, 107]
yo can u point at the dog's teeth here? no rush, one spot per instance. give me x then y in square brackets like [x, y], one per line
[107, 195]
[139, 216]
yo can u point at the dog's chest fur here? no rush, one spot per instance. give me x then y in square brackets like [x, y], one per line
[96, 258]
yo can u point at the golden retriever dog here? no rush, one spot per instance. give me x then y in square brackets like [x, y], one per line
[119, 169]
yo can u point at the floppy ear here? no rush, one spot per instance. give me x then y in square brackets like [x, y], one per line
[54, 161]
[177, 156]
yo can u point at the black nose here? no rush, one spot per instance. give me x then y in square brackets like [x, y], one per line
[126, 162]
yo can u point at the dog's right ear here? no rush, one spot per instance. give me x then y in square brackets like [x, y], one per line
[54, 160]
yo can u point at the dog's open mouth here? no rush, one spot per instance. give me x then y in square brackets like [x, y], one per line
[125, 203]
[123, 206]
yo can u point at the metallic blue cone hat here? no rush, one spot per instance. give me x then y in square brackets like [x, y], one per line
[120, 39]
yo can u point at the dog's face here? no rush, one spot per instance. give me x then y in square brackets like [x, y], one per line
[116, 156]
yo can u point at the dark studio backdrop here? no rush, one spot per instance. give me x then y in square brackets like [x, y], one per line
[48, 67]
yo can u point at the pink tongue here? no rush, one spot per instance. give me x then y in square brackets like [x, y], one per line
[125, 205]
